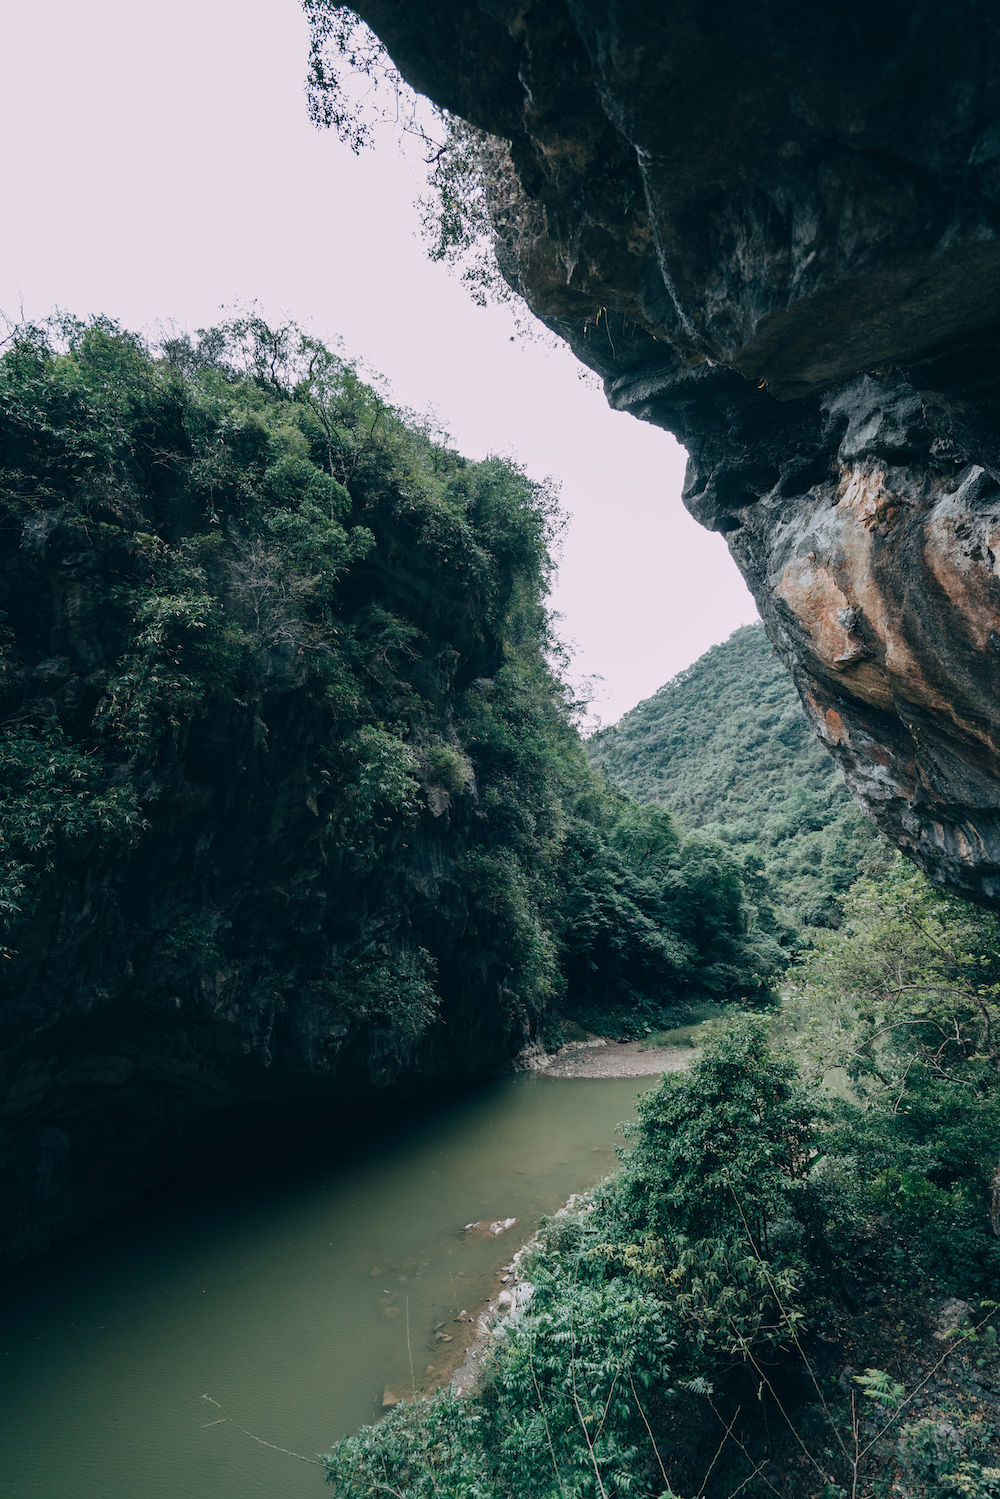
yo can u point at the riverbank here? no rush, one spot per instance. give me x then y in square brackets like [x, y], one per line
[594, 1057]
[598, 1057]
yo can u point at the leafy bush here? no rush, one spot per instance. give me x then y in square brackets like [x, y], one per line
[647, 1305]
[690, 1324]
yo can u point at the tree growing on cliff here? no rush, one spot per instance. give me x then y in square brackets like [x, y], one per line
[476, 216]
[911, 979]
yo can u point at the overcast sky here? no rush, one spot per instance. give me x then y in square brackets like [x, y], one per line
[159, 165]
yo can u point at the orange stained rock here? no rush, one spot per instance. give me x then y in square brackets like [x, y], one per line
[862, 490]
[966, 575]
[834, 726]
[815, 598]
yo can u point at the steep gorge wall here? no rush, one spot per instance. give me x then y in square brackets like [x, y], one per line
[773, 230]
[267, 842]
[216, 965]
[293, 814]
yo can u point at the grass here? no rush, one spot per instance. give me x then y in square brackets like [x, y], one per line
[697, 1028]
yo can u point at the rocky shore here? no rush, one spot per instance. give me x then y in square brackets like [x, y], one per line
[514, 1292]
[598, 1057]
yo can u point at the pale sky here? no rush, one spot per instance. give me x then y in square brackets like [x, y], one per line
[159, 166]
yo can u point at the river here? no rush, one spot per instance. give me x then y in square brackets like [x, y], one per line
[292, 1301]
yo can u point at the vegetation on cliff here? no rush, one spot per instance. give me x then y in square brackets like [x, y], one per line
[784, 1291]
[283, 747]
[726, 747]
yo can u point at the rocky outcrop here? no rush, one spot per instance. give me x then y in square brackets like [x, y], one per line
[773, 230]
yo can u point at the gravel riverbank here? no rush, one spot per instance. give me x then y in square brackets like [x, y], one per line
[597, 1057]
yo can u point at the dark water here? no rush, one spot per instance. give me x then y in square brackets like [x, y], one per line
[288, 1301]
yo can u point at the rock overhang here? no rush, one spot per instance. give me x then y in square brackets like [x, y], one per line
[775, 231]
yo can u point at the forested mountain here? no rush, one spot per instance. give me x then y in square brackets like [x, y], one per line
[291, 805]
[727, 748]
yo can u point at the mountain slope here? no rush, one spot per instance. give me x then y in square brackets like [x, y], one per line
[726, 747]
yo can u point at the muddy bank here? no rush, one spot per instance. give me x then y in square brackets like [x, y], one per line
[597, 1057]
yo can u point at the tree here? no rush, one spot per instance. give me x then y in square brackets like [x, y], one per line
[912, 977]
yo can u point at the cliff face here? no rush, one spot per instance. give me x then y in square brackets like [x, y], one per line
[265, 838]
[773, 230]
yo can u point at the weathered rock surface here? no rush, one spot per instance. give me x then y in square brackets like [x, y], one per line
[773, 230]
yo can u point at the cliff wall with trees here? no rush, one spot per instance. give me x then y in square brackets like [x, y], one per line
[293, 809]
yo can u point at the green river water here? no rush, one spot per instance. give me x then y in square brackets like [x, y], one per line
[286, 1300]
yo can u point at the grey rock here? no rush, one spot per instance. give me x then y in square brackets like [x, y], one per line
[775, 231]
[952, 1315]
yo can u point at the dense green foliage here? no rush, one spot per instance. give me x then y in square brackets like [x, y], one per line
[911, 978]
[283, 750]
[726, 747]
[745, 1307]
[647, 914]
[277, 701]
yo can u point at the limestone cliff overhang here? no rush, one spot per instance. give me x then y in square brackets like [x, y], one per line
[773, 230]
